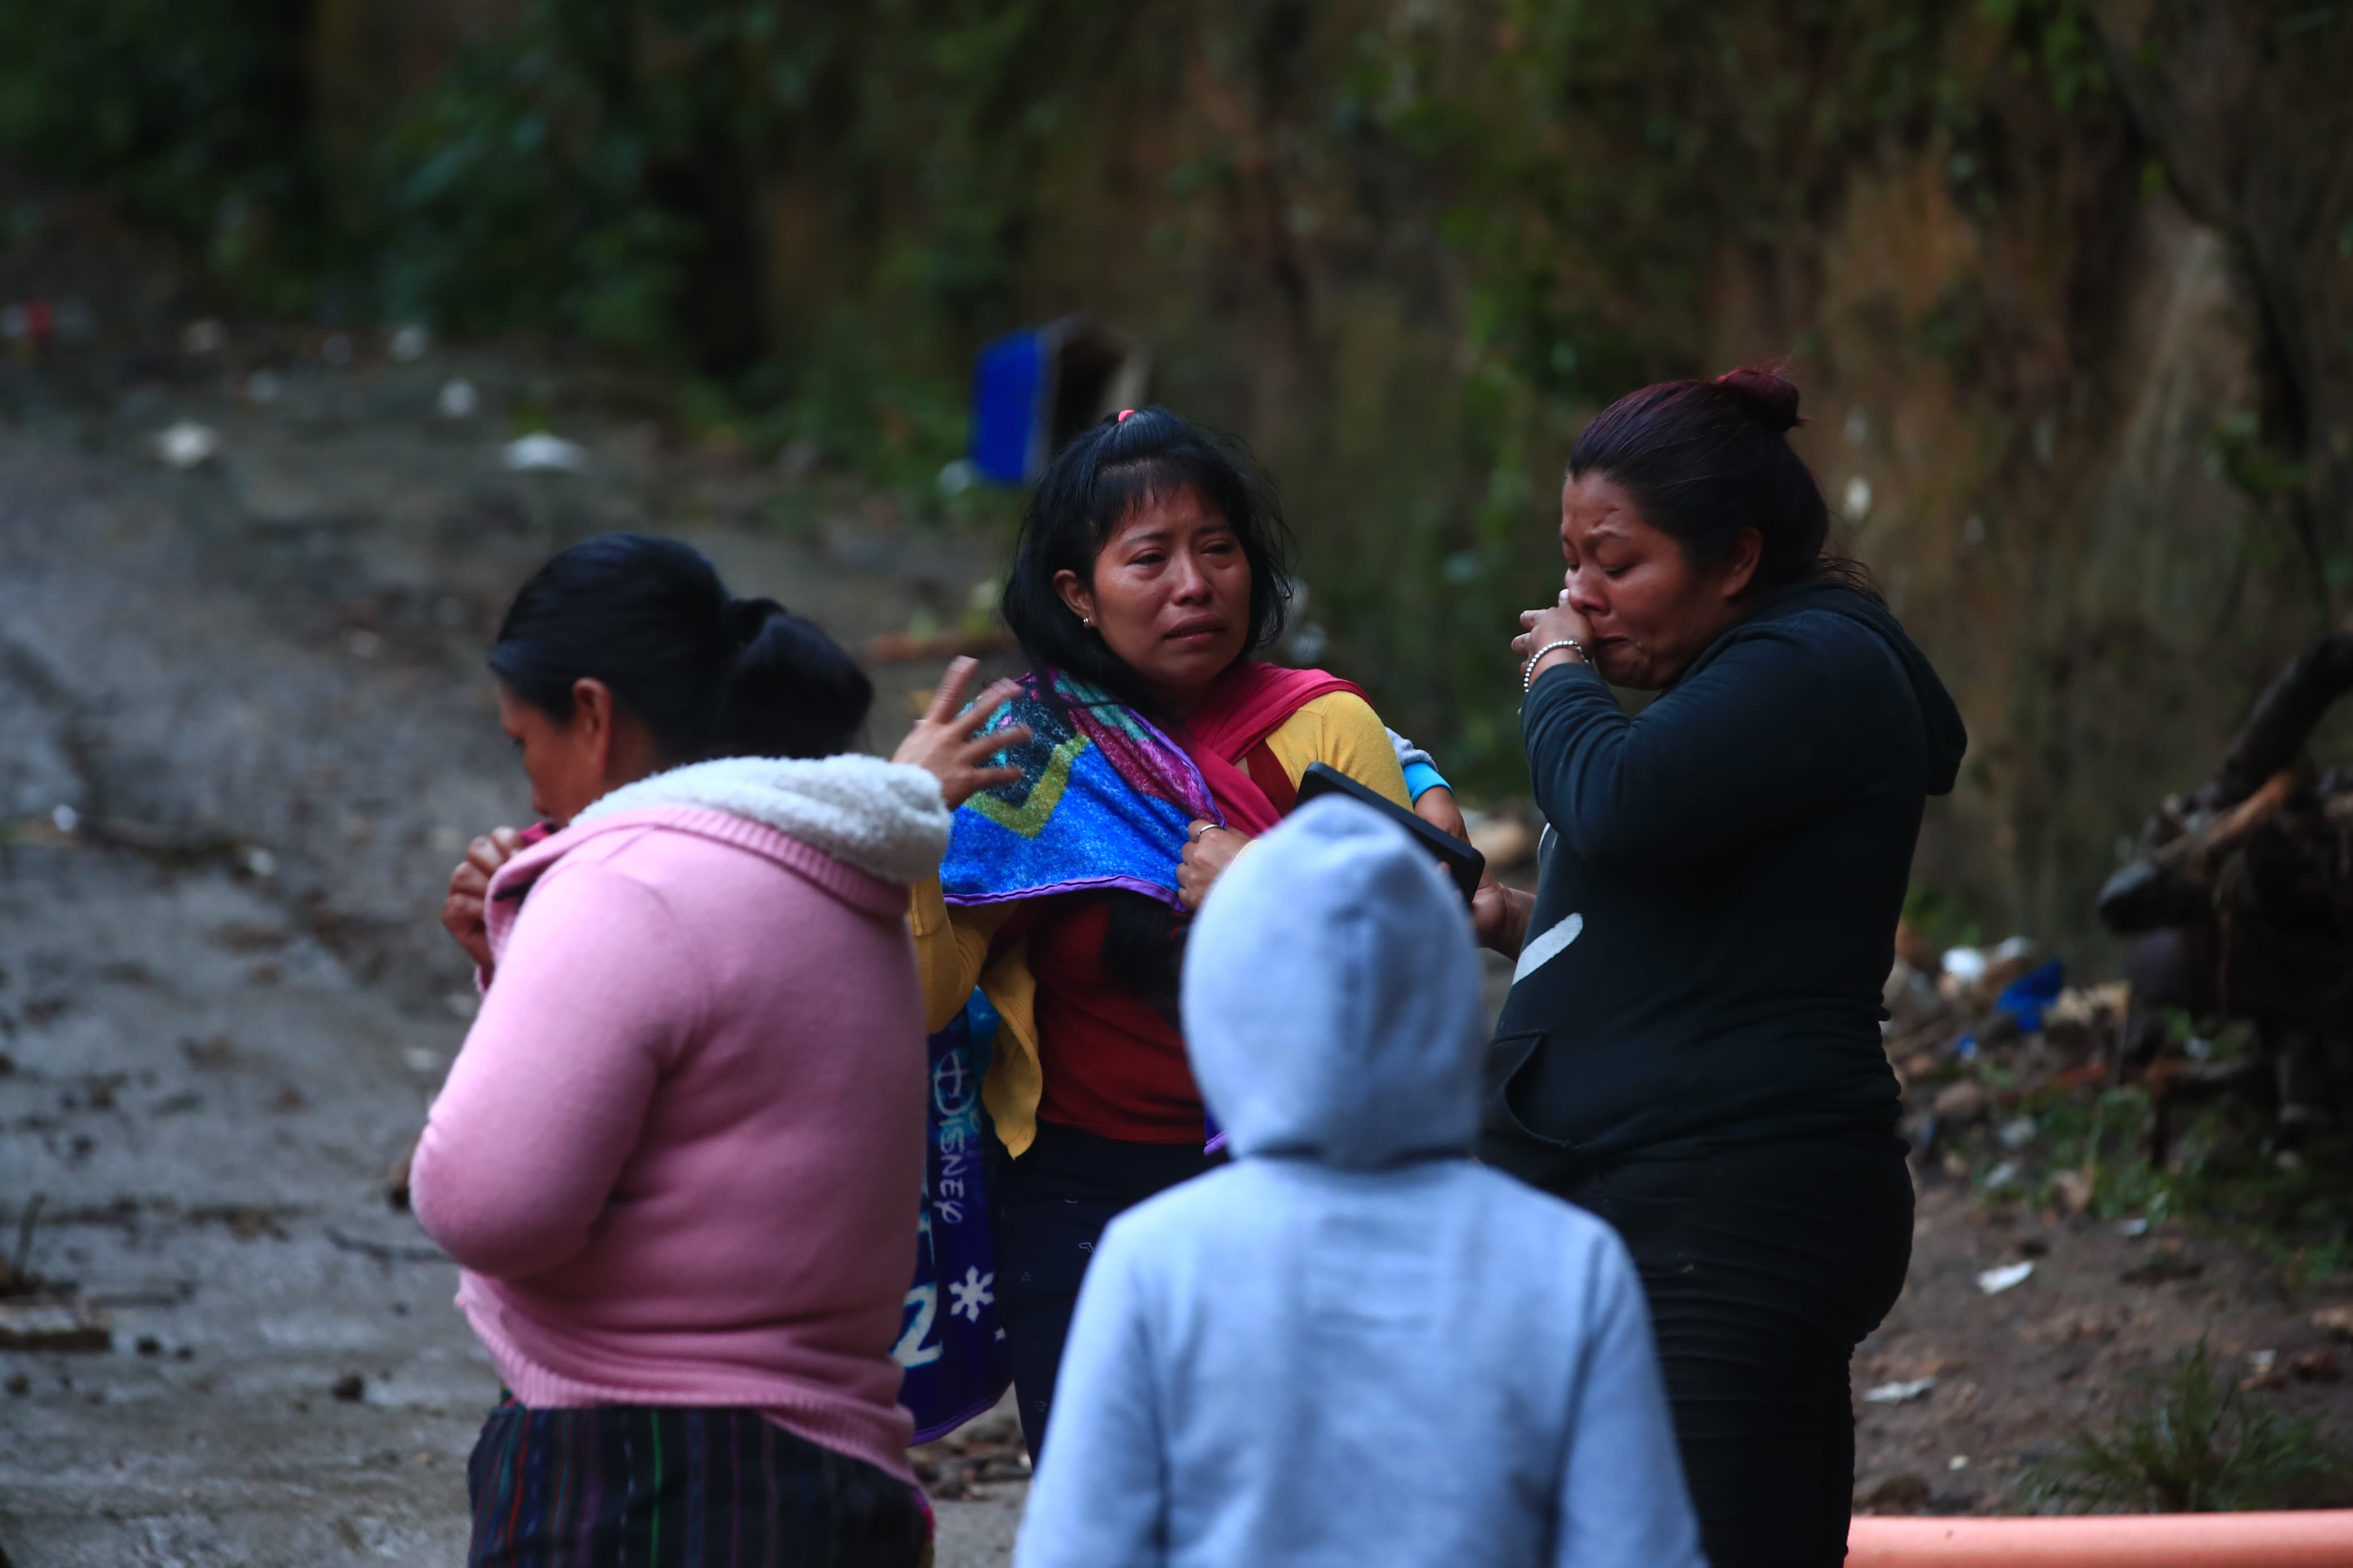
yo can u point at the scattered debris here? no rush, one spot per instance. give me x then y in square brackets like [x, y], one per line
[1962, 1102]
[351, 1388]
[187, 445]
[1899, 1392]
[2263, 1371]
[2167, 1263]
[958, 1467]
[2319, 1365]
[541, 452]
[1972, 977]
[2026, 997]
[1994, 1281]
[245, 1222]
[54, 1323]
[28, 324]
[389, 1251]
[1903, 1494]
[2074, 1189]
[2335, 1321]
[2240, 896]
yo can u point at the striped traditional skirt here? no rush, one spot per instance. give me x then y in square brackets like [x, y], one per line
[680, 1488]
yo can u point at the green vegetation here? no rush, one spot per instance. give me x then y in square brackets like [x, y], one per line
[193, 113]
[1409, 248]
[2225, 1172]
[2193, 1446]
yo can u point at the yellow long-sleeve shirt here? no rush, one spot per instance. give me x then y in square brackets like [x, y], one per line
[1339, 729]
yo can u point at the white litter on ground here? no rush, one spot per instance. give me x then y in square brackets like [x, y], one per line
[187, 444]
[1898, 1393]
[1994, 1281]
[541, 453]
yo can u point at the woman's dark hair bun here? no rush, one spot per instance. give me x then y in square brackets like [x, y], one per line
[709, 675]
[746, 618]
[1705, 460]
[1768, 394]
[794, 692]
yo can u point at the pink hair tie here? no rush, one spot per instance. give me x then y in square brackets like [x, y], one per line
[1122, 415]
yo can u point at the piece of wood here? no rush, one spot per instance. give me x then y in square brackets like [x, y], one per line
[49, 1324]
[2168, 886]
[2285, 716]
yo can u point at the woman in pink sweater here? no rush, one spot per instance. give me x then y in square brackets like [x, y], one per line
[678, 1156]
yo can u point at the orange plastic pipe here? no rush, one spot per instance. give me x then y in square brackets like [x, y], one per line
[2315, 1538]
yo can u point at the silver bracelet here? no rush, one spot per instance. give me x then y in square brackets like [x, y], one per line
[1528, 670]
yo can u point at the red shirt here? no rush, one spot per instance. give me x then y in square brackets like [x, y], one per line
[1113, 1065]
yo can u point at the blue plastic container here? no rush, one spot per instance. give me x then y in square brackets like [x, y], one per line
[1034, 389]
[1008, 429]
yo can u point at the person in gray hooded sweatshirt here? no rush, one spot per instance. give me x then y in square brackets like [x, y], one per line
[1353, 1344]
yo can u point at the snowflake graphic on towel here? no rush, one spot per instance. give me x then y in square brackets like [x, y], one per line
[971, 1293]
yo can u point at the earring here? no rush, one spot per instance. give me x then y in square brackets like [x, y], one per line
[1086, 620]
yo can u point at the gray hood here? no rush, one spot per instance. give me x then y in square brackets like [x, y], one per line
[1331, 996]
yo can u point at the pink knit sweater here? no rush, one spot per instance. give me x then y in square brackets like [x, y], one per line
[680, 1156]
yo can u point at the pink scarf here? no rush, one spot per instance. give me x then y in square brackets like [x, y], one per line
[1251, 701]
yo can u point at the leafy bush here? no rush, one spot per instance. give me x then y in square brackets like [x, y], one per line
[194, 112]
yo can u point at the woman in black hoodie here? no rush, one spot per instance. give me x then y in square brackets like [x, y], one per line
[1691, 1048]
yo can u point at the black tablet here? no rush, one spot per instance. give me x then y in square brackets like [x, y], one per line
[1464, 864]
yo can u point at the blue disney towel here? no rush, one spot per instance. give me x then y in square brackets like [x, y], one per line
[954, 1355]
[1103, 802]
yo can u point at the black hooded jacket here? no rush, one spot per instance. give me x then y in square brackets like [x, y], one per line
[1721, 878]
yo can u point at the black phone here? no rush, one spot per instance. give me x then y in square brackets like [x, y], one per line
[1464, 863]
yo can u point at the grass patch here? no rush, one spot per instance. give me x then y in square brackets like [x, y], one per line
[2193, 1446]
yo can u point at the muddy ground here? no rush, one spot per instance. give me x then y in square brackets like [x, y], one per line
[254, 688]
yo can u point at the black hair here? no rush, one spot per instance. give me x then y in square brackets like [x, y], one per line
[1704, 459]
[709, 675]
[1091, 485]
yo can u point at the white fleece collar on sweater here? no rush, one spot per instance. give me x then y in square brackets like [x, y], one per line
[884, 819]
